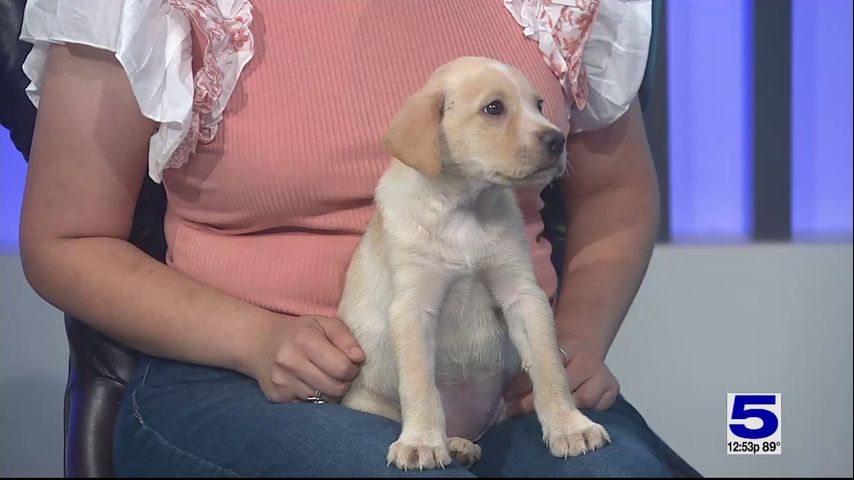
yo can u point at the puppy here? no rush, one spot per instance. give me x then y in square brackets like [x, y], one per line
[441, 293]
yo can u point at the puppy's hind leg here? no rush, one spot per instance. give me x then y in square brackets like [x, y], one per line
[366, 401]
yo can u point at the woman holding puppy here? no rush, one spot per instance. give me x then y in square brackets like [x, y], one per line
[263, 121]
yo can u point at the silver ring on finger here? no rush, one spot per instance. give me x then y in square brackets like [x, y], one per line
[317, 397]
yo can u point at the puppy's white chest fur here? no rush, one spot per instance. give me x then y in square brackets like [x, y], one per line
[466, 240]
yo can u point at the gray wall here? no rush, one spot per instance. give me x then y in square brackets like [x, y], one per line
[708, 320]
[33, 369]
[746, 319]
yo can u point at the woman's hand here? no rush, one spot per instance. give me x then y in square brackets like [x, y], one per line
[299, 355]
[591, 382]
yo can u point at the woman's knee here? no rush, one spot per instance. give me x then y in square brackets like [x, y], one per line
[626, 456]
[516, 448]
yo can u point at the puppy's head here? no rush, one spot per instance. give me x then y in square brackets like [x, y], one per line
[481, 119]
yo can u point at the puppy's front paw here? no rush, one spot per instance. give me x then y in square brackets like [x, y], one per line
[574, 435]
[419, 453]
[463, 451]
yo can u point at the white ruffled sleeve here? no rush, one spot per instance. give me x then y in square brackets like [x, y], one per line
[152, 41]
[614, 59]
[597, 48]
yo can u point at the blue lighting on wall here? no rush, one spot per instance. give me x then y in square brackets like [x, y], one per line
[821, 120]
[710, 100]
[13, 171]
[709, 48]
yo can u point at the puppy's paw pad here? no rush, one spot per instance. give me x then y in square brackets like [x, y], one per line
[576, 437]
[463, 451]
[418, 455]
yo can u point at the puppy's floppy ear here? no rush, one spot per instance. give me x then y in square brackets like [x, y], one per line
[413, 135]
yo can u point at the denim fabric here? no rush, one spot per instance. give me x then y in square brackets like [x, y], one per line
[179, 419]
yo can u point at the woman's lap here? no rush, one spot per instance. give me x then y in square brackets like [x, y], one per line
[189, 420]
[179, 419]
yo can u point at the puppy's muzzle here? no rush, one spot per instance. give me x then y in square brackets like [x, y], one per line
[552, 157]
[553, 141]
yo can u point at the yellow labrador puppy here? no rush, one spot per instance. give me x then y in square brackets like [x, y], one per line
[441, 293]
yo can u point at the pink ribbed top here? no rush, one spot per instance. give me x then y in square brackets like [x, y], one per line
[272, 210]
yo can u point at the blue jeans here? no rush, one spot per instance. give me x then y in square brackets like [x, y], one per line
[179, 419]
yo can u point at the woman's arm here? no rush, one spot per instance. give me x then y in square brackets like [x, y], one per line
[88, 159]
[611, 195]
[612, 204]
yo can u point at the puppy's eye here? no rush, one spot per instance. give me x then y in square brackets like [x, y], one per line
[540, 105]
[494, 108]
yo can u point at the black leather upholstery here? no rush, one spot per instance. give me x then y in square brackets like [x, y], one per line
[17, 114]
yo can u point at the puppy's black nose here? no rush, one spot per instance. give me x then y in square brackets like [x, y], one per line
[553, 140]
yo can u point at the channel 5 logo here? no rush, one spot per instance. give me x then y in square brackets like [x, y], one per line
[754, 423]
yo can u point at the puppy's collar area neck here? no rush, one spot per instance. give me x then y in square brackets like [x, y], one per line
[452, 182]
[467, 193]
